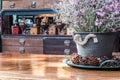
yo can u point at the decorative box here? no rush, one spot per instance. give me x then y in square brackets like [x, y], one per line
[52, 30]
[70, 31]
[16, 30]
[34, 30]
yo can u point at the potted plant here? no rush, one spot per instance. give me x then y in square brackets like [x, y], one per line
[95, 23]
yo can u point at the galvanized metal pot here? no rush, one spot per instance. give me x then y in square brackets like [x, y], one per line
[99, 45]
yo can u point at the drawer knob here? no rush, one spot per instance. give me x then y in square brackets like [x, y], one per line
[22, 50]
[67, 42]
[12, 4]
[67, 51]
[33, 4]
[22, 42]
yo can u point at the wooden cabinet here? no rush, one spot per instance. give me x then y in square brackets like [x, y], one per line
[40, 44]
[59, 45]
[22, 45]
[19, 4]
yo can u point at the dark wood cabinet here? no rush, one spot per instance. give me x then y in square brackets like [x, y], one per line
[59, 45]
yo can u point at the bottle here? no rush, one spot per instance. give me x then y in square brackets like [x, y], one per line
[16, 29]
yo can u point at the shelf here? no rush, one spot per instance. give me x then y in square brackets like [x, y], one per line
[36, 36]
[28, 12]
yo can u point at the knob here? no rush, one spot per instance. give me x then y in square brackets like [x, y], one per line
[67, 42]
[33, 4]
[67, 51]
[22, 42]
[22, 50]
[12, 4]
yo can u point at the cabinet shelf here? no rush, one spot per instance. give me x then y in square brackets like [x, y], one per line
[28, 12]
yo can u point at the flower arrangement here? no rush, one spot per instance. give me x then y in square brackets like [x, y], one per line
[91, 15]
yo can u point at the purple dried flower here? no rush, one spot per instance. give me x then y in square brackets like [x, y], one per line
[81, 21]
[112, 17]
[82, 10]
[99, 21]
[113, 30]
[116, 12]
[76, 13]
[76, 20]
[74, 2]
[117, 7]
[109, 7]
[92, 2]
[100, 12]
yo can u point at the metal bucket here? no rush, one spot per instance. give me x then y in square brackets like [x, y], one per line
[104, 46]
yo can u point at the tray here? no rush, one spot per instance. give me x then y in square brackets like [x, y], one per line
[68, 62]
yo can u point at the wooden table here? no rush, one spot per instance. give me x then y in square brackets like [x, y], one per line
[47, 67]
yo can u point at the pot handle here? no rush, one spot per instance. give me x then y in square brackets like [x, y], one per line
[77, 37]
[106, 61]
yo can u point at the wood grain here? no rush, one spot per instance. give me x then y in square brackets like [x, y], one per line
[47, 67]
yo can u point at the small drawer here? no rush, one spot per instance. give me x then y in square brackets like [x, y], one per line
[18, 49]
[59, 50]
[34, 50]
[59, 41]
[10, 41]
[10, 49]
[22, 42]
[30, 42]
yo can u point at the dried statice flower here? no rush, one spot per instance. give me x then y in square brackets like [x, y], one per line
[91, 15]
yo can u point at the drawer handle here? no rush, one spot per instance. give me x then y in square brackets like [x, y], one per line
[67, 51]
[22, 50]
[22, 42]
[67, 42]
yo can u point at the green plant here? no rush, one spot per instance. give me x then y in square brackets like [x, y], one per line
[91, 15]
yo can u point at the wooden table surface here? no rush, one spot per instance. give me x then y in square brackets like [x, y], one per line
[47, 67]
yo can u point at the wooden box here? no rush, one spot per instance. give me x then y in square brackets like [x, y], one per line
[52, 31]
[34, 30]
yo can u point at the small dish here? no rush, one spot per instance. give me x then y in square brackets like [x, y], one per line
[68, 62]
